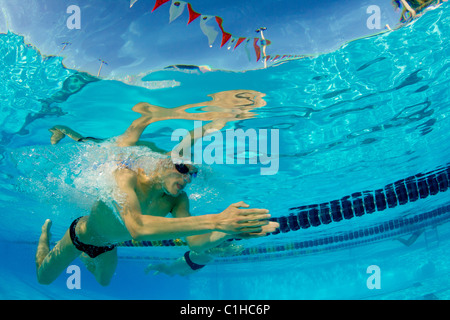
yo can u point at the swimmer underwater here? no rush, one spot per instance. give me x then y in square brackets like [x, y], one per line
[146, 200]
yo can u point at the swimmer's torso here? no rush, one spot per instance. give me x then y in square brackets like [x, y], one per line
[105, 228]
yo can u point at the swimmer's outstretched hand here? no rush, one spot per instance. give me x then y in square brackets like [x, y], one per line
[269, 228]
[234, 220]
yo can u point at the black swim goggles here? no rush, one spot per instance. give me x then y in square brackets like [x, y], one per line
[183, 169]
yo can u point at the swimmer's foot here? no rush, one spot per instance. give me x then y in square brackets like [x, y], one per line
[44, 243]
[57, 135]
[88, 262]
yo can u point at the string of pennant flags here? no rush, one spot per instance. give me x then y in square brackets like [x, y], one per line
[209, 29]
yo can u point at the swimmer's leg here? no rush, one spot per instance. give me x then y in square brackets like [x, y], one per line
[102, 267]
[51, 263]
[133, 133]
[181, 266]
[44, 243]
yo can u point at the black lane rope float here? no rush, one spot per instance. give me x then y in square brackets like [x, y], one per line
[344, 240]
[399, 193]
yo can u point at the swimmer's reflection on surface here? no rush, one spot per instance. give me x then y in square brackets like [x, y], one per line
[225, 107]
[147, 198]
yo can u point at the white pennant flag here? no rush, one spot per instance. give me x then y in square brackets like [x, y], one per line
[246, 50]
[132, 2]
[232, 42]
[209, 31]
[176, 9]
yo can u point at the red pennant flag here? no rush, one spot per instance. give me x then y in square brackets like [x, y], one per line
[239, 42]
[257, 49]
[219, 21]
[225, 35]
[192, 14]
[159, 3]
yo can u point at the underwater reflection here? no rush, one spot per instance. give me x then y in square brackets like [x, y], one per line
[224, 107]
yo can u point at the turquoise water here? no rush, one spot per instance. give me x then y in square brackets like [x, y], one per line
[357, 119]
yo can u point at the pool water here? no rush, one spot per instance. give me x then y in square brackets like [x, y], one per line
[370, 114]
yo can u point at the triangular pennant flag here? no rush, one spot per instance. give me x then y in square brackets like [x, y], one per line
[225, 35]
[208, 30]
[192, 14]
[231, 43]
[247, 51]
[159, 3]
[132, 2]
[240, 40]
[176, 9]
[219, 22]
[257, 49]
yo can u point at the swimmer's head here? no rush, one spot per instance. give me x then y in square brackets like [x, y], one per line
[171, 176]
[176, 177]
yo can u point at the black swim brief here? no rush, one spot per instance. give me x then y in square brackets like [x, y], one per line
[194, 266]
[90, 250]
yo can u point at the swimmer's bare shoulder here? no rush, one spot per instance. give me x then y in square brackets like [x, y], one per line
[125, 178]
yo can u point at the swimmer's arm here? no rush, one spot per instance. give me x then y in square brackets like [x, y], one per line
[232, 220]
[133, 133]
[203, 242]
[145, 227]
